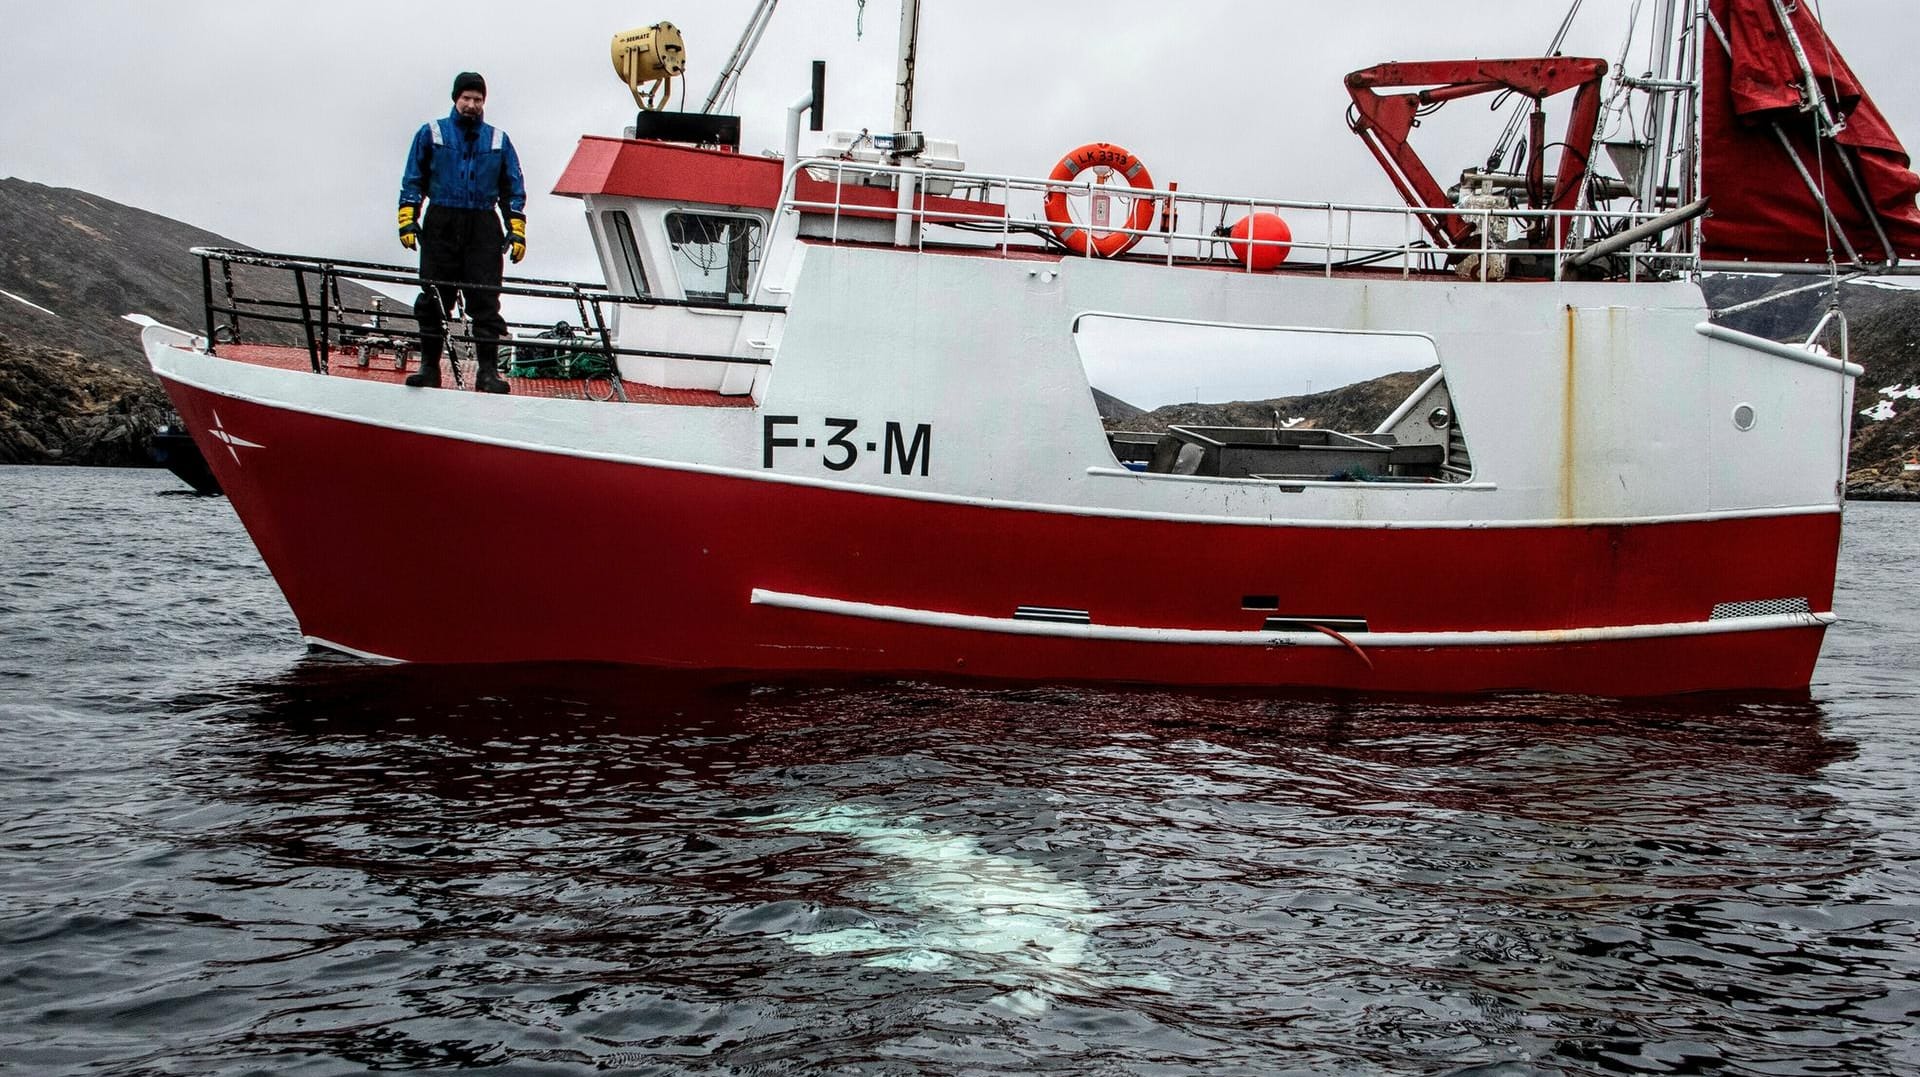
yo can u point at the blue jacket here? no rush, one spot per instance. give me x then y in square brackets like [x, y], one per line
[463, 167]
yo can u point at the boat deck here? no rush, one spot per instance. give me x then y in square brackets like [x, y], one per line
[383, 367]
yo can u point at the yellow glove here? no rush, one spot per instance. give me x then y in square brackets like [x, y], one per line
[516, 237]
[409, 231]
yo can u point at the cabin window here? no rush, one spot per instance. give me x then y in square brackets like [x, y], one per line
[620, 228]
[1281, 403]
[714, 254]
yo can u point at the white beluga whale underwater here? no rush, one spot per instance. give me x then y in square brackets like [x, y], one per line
[964, 911]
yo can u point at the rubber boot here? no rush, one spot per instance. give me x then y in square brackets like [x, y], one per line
[487, 379]
[429, 376]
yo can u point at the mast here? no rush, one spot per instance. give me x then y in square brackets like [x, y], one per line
[1663, 138]
[903, 82]
[1698, 14]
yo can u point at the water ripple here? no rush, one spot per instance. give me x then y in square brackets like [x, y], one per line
[222, 856]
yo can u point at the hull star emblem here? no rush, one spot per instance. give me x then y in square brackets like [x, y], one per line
[233, 442]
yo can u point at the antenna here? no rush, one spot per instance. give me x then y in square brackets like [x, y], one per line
[742, 52]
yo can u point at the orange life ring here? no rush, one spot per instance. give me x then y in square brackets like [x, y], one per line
[1078, 237]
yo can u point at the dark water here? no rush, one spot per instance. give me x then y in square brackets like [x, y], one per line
[221, 855]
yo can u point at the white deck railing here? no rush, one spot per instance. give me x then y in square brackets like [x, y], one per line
[1343, 235]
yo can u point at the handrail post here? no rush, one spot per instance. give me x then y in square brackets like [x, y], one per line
[839, 196]
[1486, 242]
[905, 187]
[326, 343]
[233, 305]
[206, 296]
[1406, 245]
[1006, 216]
[1328, 257]
[1247, 264]
[920, 213]
[606, 343]
[306, 318]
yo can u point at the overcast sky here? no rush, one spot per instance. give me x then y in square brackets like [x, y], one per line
[283, 125]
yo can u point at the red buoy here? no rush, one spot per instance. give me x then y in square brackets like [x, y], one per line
[1271, 236]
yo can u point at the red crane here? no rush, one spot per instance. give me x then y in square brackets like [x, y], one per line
[1384, 122]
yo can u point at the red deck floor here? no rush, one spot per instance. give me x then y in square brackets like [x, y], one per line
[381, 367]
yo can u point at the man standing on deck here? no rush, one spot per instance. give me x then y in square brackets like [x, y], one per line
[463, 168]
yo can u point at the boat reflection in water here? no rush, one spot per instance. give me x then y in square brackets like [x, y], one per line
[641, 868]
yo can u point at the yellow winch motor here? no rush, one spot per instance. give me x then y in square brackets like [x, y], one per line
[647, 59]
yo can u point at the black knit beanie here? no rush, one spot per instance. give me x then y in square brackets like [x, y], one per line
[468, 80]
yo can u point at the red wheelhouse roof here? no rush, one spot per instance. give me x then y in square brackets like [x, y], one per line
[670, 172]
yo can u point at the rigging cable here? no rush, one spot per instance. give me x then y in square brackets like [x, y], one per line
[1833, 271]
[1520, 110]
[1816, 112]
[1617, 109]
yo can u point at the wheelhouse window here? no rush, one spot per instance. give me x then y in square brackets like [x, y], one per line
[714, 254]
[620, 228]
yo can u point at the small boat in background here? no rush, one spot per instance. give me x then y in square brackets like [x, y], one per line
[172, 448]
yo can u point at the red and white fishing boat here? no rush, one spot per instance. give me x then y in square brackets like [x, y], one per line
[852, 426]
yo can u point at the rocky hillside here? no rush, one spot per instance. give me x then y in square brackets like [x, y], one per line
[1884, 327]
[74, 386]
[58, 406]
[1887, 343]
[1362, 406]
[1800, 303]
[74, 263]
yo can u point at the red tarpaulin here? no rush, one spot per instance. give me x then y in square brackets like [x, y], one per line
[1761, 208]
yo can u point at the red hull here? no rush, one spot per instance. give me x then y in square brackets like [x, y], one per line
[429, 549]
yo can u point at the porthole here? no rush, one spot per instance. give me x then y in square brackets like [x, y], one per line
[1743, 417]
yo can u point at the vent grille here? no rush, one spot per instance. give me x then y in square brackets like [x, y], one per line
[1459, 463]
[1052, 614]
[1766, 607]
